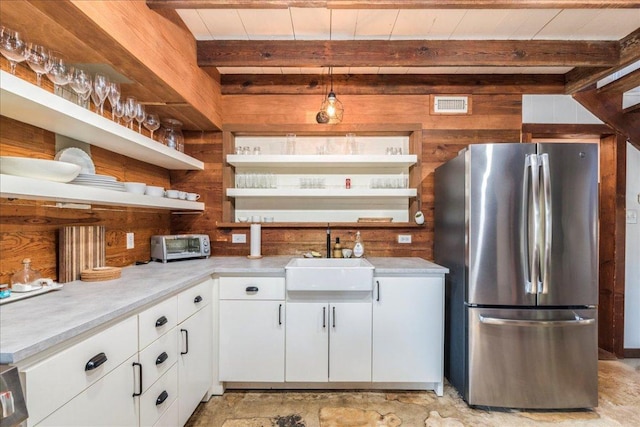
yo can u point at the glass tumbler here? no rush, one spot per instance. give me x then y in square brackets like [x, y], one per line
[172, 136]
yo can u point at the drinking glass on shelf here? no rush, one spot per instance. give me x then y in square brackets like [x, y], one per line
[291, 144]
[12, 47]
[352, 144]
[118, 111]
[80, 83]
[152, 123]
[95, 99]
[141, 114]
[59, 72]
[38, 60]
[113, 94]
[130, 110]
[85, 98]
[101, 88]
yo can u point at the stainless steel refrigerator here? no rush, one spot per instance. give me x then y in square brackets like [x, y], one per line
[517, 225]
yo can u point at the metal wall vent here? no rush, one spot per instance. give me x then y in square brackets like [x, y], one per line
[451, 104]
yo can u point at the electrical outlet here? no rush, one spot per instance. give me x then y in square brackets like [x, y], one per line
[238, 238]
[632, 216]
[404, 238]
[130, 241]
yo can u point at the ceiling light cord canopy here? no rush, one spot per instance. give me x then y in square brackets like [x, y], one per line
[331, 109]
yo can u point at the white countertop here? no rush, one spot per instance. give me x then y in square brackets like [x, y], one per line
[33, 325]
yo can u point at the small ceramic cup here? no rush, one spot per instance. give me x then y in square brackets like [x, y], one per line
[172, 194]
[346, 253]
[255, 218]
[192, 197]
[419, 218]
[182, 195]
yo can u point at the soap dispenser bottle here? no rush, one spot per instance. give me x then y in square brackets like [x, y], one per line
[358, 248]
[337, 249]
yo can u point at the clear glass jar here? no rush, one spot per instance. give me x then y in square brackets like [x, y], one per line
[26, 276]
[172, 136]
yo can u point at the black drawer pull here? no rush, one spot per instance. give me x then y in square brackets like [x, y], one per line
[197, 299]
[163, 356]
[161, 321]
[252, 289]
[163, 396]
[280, 314]
[95, 361]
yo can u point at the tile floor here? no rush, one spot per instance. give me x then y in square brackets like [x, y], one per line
[619, 405]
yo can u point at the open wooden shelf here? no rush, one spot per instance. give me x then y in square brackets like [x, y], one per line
[323, 161]
[322, 193]
[321, 225]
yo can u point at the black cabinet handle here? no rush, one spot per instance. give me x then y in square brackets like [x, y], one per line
[161, 321]
[280, 314]
[334, 316]
[95, 361]
[140, 376]
[163, 396]
[197, 299]
[160, 359]
[324, 317]
[186, 340]
[252, 289]
[378, 283]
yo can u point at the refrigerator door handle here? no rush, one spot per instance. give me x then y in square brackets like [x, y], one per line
[548, 323]
[525, 247]
[548, 222]
[533, 223]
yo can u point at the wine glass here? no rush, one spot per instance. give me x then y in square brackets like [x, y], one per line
[152, 123]
[85, 98]
[118, 111]
[141, 114]
[38, 60]
[114, 96]
[130, 110]
[101, 88]
[59, 72]
[80, 83]
[12, 47]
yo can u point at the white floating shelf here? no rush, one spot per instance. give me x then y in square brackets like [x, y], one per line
[324, 192]
[323, 161]
[28, 103]
[34, 189]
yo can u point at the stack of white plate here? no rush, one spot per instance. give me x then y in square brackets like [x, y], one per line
[99, 181]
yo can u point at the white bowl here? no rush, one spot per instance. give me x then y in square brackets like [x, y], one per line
[135, 187]
[154, 191]
[49, 170]
[243, 219]
[172, 194]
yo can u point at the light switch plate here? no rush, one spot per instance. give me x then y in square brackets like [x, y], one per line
[130, 241]
[404, 238]
[238, 238]
[632, 216]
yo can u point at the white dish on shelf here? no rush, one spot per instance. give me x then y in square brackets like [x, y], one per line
[135, 187]
[49, 170]
[154, 191]
[77, 157]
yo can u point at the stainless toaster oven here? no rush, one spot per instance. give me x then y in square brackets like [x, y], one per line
[180, 246]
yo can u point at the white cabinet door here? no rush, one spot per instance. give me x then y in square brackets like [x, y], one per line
[252, 340]
[408, 329]
[108, 402]
[350, 341]
[307, 355]
[195, 361]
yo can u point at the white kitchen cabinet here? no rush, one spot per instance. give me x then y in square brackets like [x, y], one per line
[252, 329]
[328, 342]
[158, 397]
[408, 330]
[108, 402]
[195, 361]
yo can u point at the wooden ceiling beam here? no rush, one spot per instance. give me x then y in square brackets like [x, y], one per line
[391, 4]
[407, 53]
[390, 84]
[583, 77]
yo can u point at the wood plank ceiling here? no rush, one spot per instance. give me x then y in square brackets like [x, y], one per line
[411, 46]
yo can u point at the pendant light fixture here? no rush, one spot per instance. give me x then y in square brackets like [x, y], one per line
[331, 110]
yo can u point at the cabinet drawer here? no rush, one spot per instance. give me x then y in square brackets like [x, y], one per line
[170, 416]
[268, 288]
[193, 299]
[157, 320]
[158, 357]
[157, 399]
[54, 381]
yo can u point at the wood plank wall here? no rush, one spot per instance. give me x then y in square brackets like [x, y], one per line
[495, 118]
[30, 228]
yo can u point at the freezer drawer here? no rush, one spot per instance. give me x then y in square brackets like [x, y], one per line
[542, 358]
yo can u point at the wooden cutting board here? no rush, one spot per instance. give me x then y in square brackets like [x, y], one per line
[80, 248]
